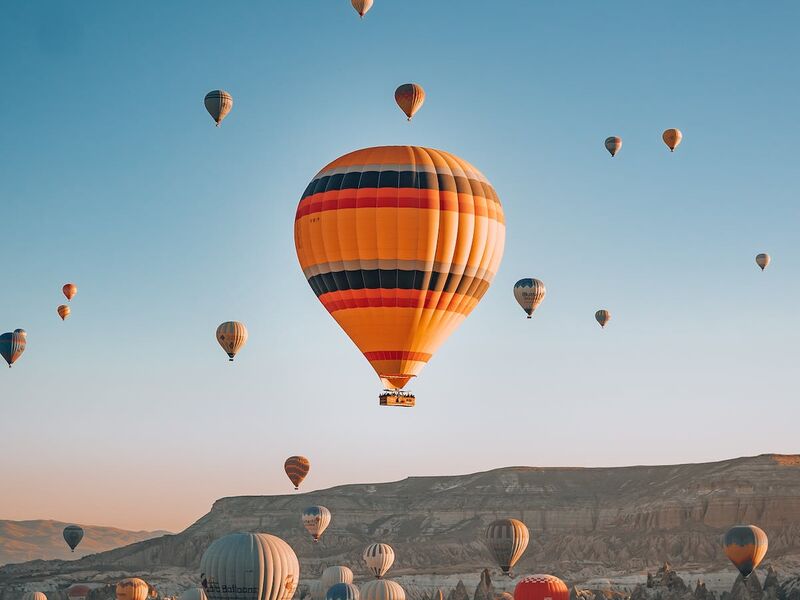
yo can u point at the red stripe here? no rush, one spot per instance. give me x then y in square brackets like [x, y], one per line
[334, 301]
[397, 355]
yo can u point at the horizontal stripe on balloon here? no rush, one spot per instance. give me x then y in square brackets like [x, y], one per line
[392, 265]
[397, 279]
[398, 299]
[398, 355]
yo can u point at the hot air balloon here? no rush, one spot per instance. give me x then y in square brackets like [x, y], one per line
[529, 293]
[602, 316]
[73, 534]
[34, 596]
[252, 562]
[132, 588]
[232, 336]
[672, 138]
[505, 596]
[409, 97]
[438, 595]
[194, 594]
[382, 589]
[316, 591]
[361, 6]
[78, 591]
[63, 312]
[342, 591]
[541, 587]
[333, 575]
[745, 546]
[218, 104]
[379, 558]
[399, 243]
[613, 144]
[69, 289]
[507, 540]
[12, 345]
[316, 520]
[762, 260]
[297, 467]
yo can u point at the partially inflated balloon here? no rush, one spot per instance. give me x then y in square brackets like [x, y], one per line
[63, 312]
[745, 546]
[762, 260]
[672, 138]
[12, 345]
[218, 104]
[297, 467]
[132, 588]
[194, 594]
[409, 98]
[379, 558]
[382, 589]
[249, 566]
[613, 145]
[541, 587]
[529, 294]
[69, 290]
[602, 316]
[342, 591]
[316, 520]
[232, 336]
[73, 534]
[361, 6]
[333, 575]
[507, 540]
[78, 591]
[34, 596]
[399, 243]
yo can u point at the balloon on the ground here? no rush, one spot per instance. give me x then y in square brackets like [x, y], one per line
[73, 534]
[69, 290]
[333, 575]
[260, 562]
[342, 591]
[762, 260]
[613, 144]
[602, 316]
[34, 596]
[218, 104]
[361, 6]
[232, 336]
[379, 558]
[196, 593]
[316, 520]
[12, 345]
[745, 546]
[382, 589]
[541, 587]
[132, 588]
[78, 591]
[672, 138]
[529, 293]
[63, 311]
[315, 590]
[410, 98]
[297, 467]
[507, 540]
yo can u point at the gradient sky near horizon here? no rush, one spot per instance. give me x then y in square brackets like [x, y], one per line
[113, 176]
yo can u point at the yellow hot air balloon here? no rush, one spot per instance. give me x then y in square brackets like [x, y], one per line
[602, 316]
[218, 104]
[69, 290]
[399, 243]
[361, 6]
[672, 138]
[232, 336]
[63, 312]
[507, 539]
[613, 145]
[132, 588]
[762, 260]
[379, 558]
[409, 97]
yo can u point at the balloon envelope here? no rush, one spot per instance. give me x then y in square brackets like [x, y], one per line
[232, 336]
[529, 293]
[379, 558]
[34, 596]
[410, 98]
[12, 345]
[672, 138]
[297, 467]
[745, 546]
[613, 145]
[69, 290]
[333, 575]
[382, 589]
[762, 260]
[73, 534]
[132, 588]
[507, 540]
[78, 591]
[362, 6]
[602, 316]
[541, 587]
[342, 591]
[218, 104]
[63, 311]
[316, 520]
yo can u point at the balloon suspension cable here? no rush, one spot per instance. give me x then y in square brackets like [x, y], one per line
[230, 360]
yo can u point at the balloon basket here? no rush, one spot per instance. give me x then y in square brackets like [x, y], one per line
[397, 398]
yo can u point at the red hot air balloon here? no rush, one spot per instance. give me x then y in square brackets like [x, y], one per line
[541, 587]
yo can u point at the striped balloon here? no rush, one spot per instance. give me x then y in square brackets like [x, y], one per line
[333, 575]
[379, 558]
[34, 596]
[745, 546]
[409, 97]
[63, 312]
[132, 588]
[232, 336]
[382, 589]
[602, 316]
[399, 243]
[342, 591]
[12, 345]
[762, 260]
[672, 138]
[507, 540]
[73, 534]
[361, 6]
[541, 587]
[529, 294]
[218, 104]
[316, 520]
[613, 145]
[297, 467]
[315, 590]
[69, 290]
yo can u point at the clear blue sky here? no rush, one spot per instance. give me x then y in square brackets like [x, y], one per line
[113, 176]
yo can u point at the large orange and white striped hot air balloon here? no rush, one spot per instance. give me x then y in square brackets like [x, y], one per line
[63, 311]
[361, 6]
[409, 97]
[297, 467]
[232, 336]
[399, 243]
[69, 290]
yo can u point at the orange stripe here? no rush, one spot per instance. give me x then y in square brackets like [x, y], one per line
[397, 355]
[349, 299]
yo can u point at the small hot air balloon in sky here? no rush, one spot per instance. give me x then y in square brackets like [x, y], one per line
[409, 98]
[507, 540]
[541, 587]
[602, 316]
[361, 6]
[333, 575]
[382, 589]
[379, 558]
[297, 467]
[745, 546]
[63, 311]
[73, 534]
[529, 293]
[232, 336]
[762, 260]
[399, 244]
[218, 104]
[132, 588]
[342, 591]
[12, 345]
[316, 520]
[78, 591]
[250, 561]
[34, 596]
[196, 593]
[672, 138]
[613, 145]
[69, 290]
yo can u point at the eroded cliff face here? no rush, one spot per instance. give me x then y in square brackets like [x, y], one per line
[582, 521]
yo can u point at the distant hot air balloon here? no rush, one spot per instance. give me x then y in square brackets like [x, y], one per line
[316, 520]
[63, 312]
[12, 345]
[333, 575]
[602, 316]
[399, 243]
[132, 588]
[34, 596]
[529, 293]
[613, 145]
[218, 104]
[409, 97]
[69, 289]
[78, 591]
[361, 6]
[196, 593]
[250, 561]
[379, 558]
[762, 260]
[541, 587]
[73, 534]
[672, 138]
[745, 546]
[507, 540]
[297, 467]
[232, 336]
[342, 591]
[382, 589]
